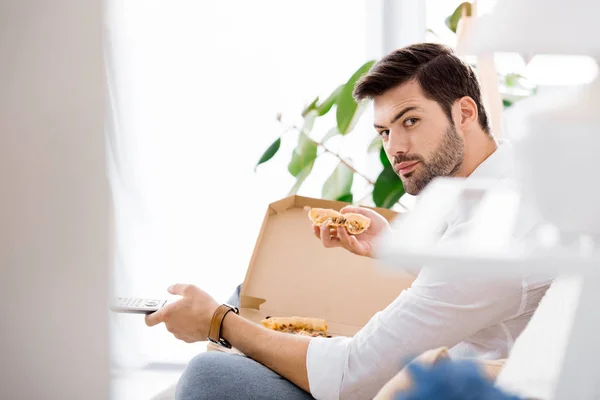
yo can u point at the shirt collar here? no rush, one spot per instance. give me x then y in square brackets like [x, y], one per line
[499, 164]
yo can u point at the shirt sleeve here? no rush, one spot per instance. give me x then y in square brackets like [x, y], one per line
[326, 361]
[441, 308]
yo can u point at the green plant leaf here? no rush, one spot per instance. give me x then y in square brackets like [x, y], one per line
[332, 132]
[326, 105]
[339, 183]
[429, 30]
[512, 80]
[269, 153]
[506, 103]
[385, 161]
[304, 154]
[347, 198]
[306, 150]
[375, 145]
[452, 20]
[388, 188]
[301, 178]
[346, 105]
[310, 107]
[362, 106]
[309, 122]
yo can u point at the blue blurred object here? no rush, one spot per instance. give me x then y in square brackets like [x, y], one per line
[451, 380]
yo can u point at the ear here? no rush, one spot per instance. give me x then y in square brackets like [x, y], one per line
[468, 112]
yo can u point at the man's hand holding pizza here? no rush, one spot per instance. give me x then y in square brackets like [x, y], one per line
[360, 244]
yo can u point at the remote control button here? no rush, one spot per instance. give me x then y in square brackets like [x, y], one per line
[151, 303]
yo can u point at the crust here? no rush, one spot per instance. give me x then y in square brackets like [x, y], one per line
[300, 323]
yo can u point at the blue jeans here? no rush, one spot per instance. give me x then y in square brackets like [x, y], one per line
[221, 376]
[234, 300]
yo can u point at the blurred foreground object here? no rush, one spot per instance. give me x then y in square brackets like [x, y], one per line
[451, 380]
[556, 147]
[404, 381]
[55, 255]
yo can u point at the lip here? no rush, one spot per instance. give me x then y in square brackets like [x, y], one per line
[405, 167]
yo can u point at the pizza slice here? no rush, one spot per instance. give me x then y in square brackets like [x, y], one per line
[354, 223]
[314, 327]
[320, 215]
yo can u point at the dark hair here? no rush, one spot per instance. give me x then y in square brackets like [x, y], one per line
[443, 77]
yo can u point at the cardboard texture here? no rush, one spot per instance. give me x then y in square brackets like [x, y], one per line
[292, 274]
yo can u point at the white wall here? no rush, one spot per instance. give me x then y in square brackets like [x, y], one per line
[54, 202]
[392, 24]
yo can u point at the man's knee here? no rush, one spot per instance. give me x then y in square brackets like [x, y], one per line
[220, 376]
[204, 377]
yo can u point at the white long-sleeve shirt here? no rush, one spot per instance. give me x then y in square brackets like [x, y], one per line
[476, 317]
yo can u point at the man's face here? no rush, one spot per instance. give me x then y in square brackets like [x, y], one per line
[419, 140]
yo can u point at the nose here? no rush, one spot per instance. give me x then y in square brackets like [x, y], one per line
[397, 143]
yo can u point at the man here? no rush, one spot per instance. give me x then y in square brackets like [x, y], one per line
[429, 113]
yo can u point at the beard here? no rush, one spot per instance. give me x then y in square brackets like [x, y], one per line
[445, 160]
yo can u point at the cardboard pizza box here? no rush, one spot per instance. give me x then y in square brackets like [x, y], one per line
[292, 274]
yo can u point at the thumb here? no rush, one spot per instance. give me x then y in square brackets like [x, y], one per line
[179, 288]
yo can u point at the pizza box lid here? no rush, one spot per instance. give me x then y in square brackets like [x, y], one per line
[292, 274]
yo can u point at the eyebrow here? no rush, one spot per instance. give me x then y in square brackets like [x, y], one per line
[398, 116]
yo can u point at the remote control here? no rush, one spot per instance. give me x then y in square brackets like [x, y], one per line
[137, 305]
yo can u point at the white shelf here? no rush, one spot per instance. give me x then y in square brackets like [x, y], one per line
[499, 261]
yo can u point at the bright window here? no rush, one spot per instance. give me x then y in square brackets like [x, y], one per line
[196, 86]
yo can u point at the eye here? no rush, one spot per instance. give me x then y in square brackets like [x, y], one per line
[410, 122]
[384, 134]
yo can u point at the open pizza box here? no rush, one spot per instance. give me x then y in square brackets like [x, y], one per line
[292, 274]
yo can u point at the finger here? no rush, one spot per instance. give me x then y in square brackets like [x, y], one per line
[356, 246]
[351, 243]
[342, 234]
[179, 288]
[326, 238]
[162, 315]
[317, 231]
[156, 317]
